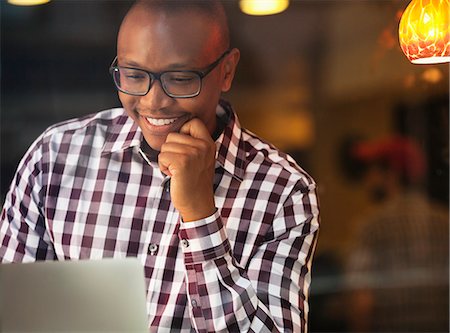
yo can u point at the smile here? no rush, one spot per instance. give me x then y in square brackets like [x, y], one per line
[160, 122]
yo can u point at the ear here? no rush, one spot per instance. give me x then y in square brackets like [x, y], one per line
[229, 68]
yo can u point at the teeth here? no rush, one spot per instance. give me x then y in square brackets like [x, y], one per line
[161, 122]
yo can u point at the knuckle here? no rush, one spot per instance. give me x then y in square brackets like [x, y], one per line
[212, 146]
[162, 149]
[170, 136]
[183, 161]
[203, 145]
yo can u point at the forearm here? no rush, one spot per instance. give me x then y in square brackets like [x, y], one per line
[221, 297]
[23, 233]
[23, 238]
[224, 297]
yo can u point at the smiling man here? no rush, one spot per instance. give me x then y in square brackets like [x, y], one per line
[224, 224]
[172, 64]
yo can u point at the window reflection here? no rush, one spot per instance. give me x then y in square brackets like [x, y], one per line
[315, 80]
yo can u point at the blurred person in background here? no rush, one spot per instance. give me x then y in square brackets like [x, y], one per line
[398, 271]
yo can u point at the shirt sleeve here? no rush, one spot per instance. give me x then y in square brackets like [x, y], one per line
[23, 235]
[271, 293]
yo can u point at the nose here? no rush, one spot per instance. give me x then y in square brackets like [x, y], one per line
[156, 99]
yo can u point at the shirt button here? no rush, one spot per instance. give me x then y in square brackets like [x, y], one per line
[152, 248]
[184, 243]
[194, 303]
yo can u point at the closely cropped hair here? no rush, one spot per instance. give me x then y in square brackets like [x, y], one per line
[212, 9]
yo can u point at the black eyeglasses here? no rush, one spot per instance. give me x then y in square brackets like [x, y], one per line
[177, 84]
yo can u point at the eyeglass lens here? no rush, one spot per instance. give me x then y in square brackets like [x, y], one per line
[138, 82]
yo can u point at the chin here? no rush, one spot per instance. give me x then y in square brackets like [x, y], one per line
[155, 142]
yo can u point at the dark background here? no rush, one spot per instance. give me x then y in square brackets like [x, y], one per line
[308, 80]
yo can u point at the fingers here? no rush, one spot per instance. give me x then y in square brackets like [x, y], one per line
[181, 148]
[189, 158]
[183, 144]
[183, 153]
[196, 129]
[169, 163]
[183, 139]
[191, 133]
[193, 139]
[179, 156]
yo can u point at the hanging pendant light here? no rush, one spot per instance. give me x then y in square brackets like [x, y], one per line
[263, 7]
[27, 2]
[424, 31]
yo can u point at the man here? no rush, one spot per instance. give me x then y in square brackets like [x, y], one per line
[224, 224]
[398, 269]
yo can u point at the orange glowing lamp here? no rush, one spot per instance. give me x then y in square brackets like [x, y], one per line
[424, 31]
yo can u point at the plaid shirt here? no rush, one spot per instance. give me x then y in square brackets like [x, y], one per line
[86, 190]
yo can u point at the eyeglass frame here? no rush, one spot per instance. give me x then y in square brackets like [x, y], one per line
[156, 76]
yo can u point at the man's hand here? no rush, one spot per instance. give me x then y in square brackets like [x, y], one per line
[189, 158]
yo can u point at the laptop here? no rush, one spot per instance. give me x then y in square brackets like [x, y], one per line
[73, 296]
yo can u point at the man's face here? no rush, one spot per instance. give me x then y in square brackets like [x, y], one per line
[159, 42]
[377, 182]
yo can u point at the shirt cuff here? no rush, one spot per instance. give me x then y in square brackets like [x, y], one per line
[203, 240]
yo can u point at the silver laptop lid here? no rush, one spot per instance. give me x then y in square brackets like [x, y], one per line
[73, 296]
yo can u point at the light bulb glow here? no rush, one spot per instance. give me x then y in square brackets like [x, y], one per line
[263, 7]
[27, 2]
[424, 31]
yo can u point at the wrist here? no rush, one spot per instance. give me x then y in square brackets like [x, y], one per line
[199, 213]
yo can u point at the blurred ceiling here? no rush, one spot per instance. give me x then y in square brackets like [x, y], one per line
[302, 62]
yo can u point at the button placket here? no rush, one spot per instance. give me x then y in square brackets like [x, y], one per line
[166, 185]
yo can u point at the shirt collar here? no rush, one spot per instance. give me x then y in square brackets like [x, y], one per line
[230, 155]
[122, 134]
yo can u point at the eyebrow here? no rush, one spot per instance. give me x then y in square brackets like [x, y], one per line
[130, 64]
[174, 66]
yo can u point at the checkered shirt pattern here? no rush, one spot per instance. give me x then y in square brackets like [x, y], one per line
[86, 190]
